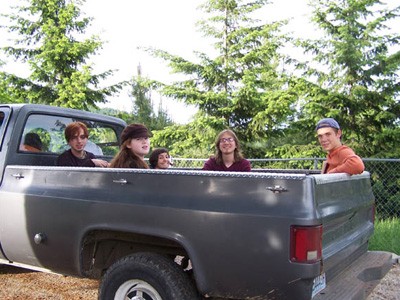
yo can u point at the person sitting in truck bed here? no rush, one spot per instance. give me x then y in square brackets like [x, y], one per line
[228, 156]
[160, 159]
[340, 158]
[32, 143]
[76, 134]
[135, 145]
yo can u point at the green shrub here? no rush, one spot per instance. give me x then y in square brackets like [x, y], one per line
[386, 236]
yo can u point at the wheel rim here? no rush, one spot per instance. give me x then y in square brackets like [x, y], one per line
[136, 289]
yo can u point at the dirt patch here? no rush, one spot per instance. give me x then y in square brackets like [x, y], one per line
[388, 288]
[18, 283]
[21, 284]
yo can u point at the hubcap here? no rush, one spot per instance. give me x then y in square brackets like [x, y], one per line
[136, 289]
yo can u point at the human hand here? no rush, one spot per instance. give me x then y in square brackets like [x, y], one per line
[100, 163]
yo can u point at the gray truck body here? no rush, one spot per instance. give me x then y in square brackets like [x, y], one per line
[236, 228]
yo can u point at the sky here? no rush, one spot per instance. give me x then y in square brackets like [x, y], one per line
[125, 25]
[167, 25]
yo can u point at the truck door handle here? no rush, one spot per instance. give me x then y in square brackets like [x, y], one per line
[120, 181]
[18, 176]
[277, 189]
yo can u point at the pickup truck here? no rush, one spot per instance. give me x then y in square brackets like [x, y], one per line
[179, 233]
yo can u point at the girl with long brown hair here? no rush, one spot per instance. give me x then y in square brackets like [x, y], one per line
[135, 144]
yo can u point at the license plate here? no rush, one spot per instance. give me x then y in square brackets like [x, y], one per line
[319, 284]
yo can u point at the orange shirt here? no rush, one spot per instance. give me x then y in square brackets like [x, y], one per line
[343, 160]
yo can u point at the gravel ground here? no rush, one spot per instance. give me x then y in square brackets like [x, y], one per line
[21, 284]
[389, 287]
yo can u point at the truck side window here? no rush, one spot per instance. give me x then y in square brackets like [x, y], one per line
[45, 133]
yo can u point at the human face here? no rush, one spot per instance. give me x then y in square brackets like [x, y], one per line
[227, 143]
[329, 138]
[140, 146]
[163, 161]
[78, 141]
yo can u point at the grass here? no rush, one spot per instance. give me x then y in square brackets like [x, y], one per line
[386, 236]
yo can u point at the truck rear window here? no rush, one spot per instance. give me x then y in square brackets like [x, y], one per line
[45, 133]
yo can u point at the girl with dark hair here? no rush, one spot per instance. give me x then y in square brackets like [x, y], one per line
[228, 156]
[135, 144]
[160, 159]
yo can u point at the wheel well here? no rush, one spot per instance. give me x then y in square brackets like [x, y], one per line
[101, 248]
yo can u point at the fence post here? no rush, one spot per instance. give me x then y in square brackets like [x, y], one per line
[315, 163]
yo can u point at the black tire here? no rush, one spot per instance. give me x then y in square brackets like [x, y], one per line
[149, 275]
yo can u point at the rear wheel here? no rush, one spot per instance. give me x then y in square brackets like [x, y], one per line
[146, 276]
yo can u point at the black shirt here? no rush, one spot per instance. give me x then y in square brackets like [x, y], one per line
[67, 159]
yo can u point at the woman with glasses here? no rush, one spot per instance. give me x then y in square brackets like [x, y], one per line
[228, 156]
[76, 134]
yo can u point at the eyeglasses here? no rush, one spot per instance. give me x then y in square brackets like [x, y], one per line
[226, 140]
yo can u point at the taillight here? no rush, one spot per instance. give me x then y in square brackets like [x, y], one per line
[306, 244]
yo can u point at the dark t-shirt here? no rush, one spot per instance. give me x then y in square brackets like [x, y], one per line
[67, 159]
[239, 166]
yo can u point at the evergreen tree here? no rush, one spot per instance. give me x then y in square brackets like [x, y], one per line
[359, 82]
[243, 88]
[51, 40]
[162, 119]
[142, 105]
[143, 110]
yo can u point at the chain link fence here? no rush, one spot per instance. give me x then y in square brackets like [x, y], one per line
[385, 177]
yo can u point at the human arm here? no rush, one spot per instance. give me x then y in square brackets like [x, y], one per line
[97, 162]
[100, 163]
[350, 163]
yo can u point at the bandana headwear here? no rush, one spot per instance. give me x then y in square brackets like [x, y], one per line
[327, 122]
